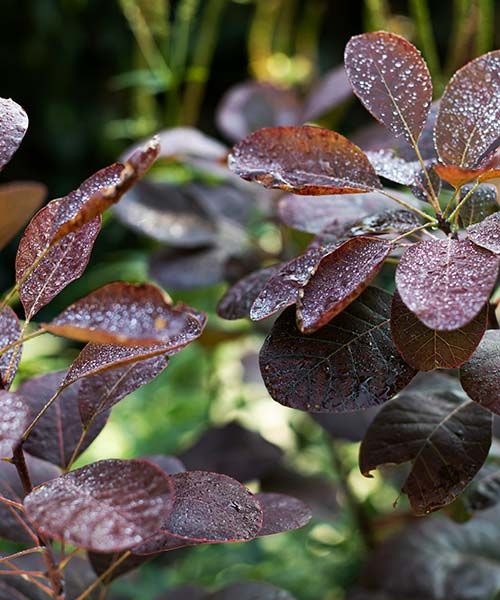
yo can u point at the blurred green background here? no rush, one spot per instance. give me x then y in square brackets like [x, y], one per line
[96, 75]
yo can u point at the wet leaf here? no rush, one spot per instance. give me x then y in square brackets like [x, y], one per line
[387, 221]
[251, 105]
[125, 314]
[18, 201]
[469, 114]
[445, 283]
[238, 300]
[15, 419]
[480, 376]
[458, 176]
[442, 433]
[339, 278]
[282, 513]
[427, 186]
[487, 233]
[390, 77]
[427, 349]
[10, 332]
[481, 203]
[349, 364]
[108, 506]
[13, 126]
[57, 434]
[329, 92]
[303, 160]
[389, 165]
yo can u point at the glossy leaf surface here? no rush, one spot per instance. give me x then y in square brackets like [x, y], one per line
[10, 332]
[487, 233]
[15, 418]
[13, 126]
[481, 204]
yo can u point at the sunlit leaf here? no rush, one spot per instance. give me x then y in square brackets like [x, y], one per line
[487, 233]
[458, 176]
[427, 349]
[10, 333]
[442, 433]
[15, 419]
[108, 506]
[390, 77]
[349, 364]
[13, 126]
[445, 283]
[303, 160]
[469, 114]
[18, 201]
[282, 513]
[340, 277]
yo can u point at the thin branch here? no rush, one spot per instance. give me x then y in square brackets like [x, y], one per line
[48, 404]
[21, 340]
[463, 201]
[37, 550]
[408, 206]
[104, 575]
[8, 502]
[411, 232]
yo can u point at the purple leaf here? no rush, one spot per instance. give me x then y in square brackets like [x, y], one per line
[389, 165]
[18, 201]
[15, 419]
[10, 332]
[481, 203]
[282, 513]
[329, 92]
[13, 126]
[487, 233]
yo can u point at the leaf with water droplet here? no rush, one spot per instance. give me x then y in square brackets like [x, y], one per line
[389, 165]
[442, 433]
[426, 186]
[13, 126]
[482, 203]
[349, 364]
[10, 332]
[487, 233]
[108, 506]
[303, 160]
[15, 419]
[18, 201]
[445, 283]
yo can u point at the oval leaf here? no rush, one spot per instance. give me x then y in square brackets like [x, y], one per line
[10, 332]
[331, 90]
[303, 160]
[13, 126]
[468, 120]
[349, 364]
[15, 419]
[18, 201]
[339, 278]
[445, 283]
[108, 506]
[481, 204]
[282, 513]
[480, 376]
[444, 435]
[427, 349]
[487, 233]
[390, 77]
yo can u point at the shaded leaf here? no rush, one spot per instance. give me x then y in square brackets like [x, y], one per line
[108, 506]
[484, 490]
[349, 364]
[126, 314]
[442, 433]
[18, 201]
[58, 432]
[329, 92]
[251, 105]
[427, 349]
[487, 233]
[13, 126]
[339, 278]
[468, 121]
[390, 77]
[170, 464]
[387, 221]
[15, 419]
[10, 332]
[348, 426]
[481, 203]
[458, 176]
[303, 160]
[445, 283]
[425, 187]
[282, 513]
[480, 376]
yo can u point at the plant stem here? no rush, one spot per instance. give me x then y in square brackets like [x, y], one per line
[463, 201]
[22, 553]
[8, 502]
[21, 340]
[408, 206]
[48, 404]
[411, 232]
[104, 575]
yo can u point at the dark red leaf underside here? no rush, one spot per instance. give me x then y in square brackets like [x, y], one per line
[13, 126]
[18, 202]
[390, 77]
[389, 165]
[427, 186]
[445, 283]
[426, 349]
[10, 332]
[108, 506]
[445, 436]
[468, 121]
[482, 203]
[15, 419]
[480, 376]
[282, 513]
[487, 233]
[387, 221]
[303, 160]
[339, 278]
[349, 364]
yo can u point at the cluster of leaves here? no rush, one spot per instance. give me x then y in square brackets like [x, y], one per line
[341, 345]
[119, 511]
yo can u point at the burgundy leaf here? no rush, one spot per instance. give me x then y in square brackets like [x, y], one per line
[427, 349]
[57, 434]
[15, 419]
[443, 434]
[469, 114]
[487, 233]
[389, 165]
[170, 464]
[446, 282]
[390, 77]
[458, 176]
[426, 186]
[251, 105]
[303, 160]
[13, 126]
[387, 221]
[339, 278]
[43, 268]
[331, 90]
[481, 203]
[480, 376]
[18, 201]
[10, 332]
[108, 506]
[348, 426]
[282, 513]
[125, 314]
[238, 300]
[349, 364]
